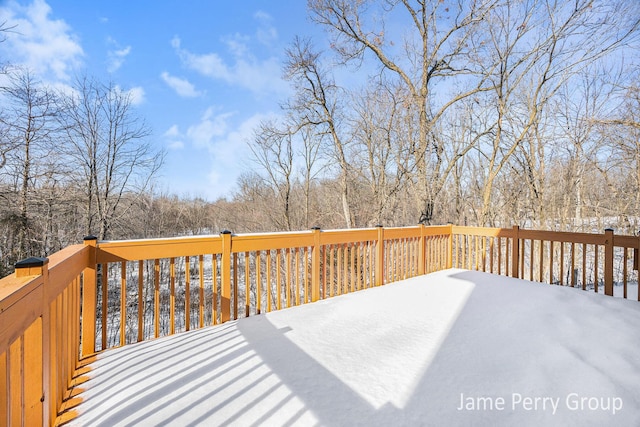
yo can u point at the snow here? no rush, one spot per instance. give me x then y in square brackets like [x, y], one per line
[454, 347]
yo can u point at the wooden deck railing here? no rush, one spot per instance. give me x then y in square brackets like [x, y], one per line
[588, 261]
[40, 336]
[57, 312]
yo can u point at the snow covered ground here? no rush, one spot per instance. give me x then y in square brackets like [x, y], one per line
[451, 348]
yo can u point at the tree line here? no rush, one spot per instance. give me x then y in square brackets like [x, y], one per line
[482, 112]
[71, 164]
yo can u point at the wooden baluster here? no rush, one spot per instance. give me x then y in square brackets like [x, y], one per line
[172, 296]
[258, 283]
[584, 266]
[156, 298]
[597, 264]
[123, 303]
[187, 293]
[268, 284]
[278, 279]
[214, 285]
[140, 300]
[201, 290]
[247, 285]
[225, 297]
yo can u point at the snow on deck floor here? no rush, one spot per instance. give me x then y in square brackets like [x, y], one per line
[451, 348]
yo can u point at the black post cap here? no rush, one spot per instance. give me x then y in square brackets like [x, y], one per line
[31, 262]
[90, 237]
[225, 232]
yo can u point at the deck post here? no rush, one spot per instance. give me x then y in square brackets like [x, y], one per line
[42, 400]
[608, 262]
[380, 256]
[315, 265]
[422, 251]
[89, 300]
[515, 252]
[225, 273]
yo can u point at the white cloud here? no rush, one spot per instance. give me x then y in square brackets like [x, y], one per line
[47, 47]
[117, 57]
[173, 131]
[182, 87]
[136, 94]
[237, 45]
[266, 33]
[176, 145]
[174, 138]
[230, 152]
[240, 67]
[223, 143]
[176, 42]
[211, 125]
[211, 65]
[233, 146]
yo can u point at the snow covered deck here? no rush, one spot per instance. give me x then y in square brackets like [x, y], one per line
[454, 347]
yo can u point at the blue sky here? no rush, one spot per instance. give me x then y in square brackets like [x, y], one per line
[202, 73]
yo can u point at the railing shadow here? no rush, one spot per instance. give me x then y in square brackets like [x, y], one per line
[490, 339]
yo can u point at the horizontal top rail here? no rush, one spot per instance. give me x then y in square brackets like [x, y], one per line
[261, 242]
[620, 241]
[130, 250]
[335, 237]
[563, 236]
[482, 231]
[630, 242]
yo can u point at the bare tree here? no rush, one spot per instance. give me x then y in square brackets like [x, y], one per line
[435, 49]
[534, 49]
[316, 104]
[5, 145]
[380, 149]
[622, 136]
[109, 141]
[273, 150]
[577, 110]
[310, 151]
[30, 126]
